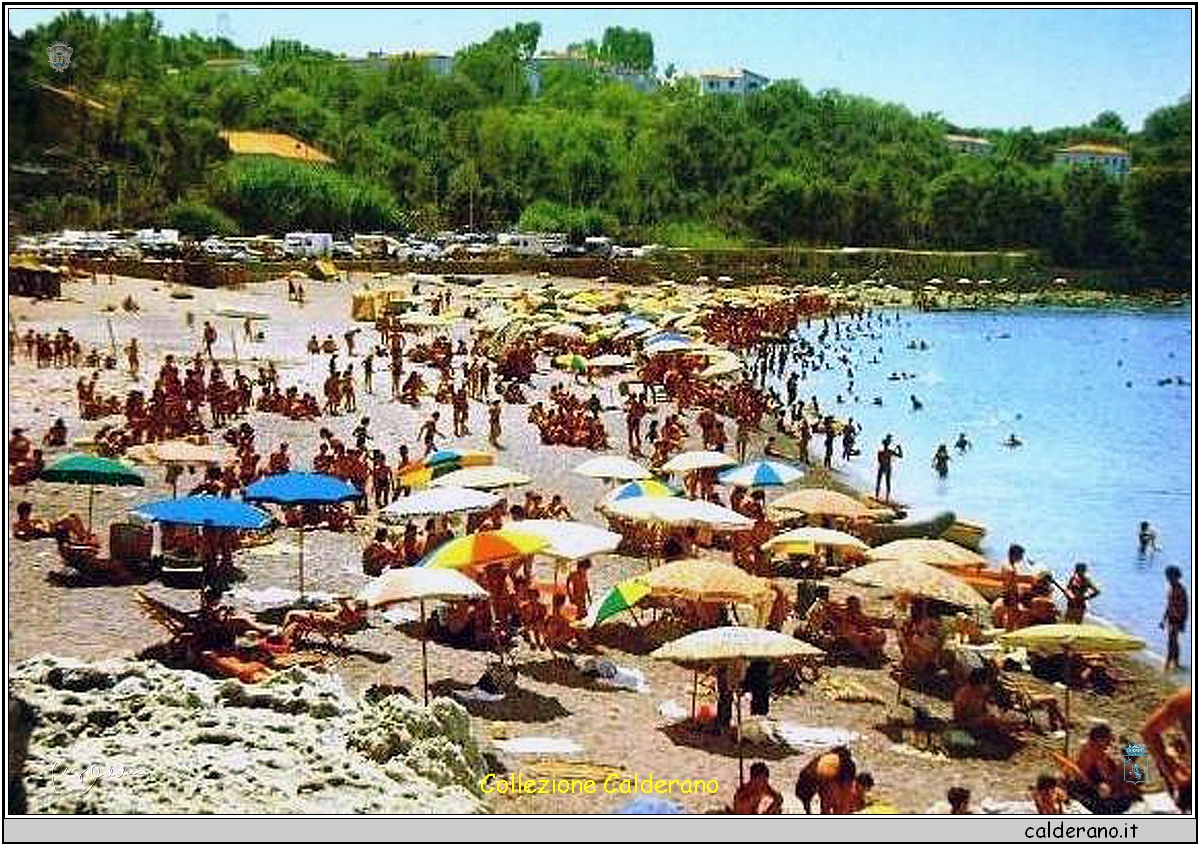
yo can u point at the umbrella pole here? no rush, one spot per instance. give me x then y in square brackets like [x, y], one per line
[741, 764]
[695, 685]
[91, 497]
[1067, 703]
[424, 654]
[302, 558]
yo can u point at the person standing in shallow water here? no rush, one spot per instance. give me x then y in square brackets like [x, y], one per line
[883, 459]
[941, 461]
[1080, 591]
[1175, 617]
[1147, 539]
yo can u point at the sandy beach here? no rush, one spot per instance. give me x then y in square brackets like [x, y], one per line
[616, 730]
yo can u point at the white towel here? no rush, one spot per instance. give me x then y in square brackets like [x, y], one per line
[539, 746]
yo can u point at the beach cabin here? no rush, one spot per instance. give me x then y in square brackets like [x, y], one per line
[521, 244]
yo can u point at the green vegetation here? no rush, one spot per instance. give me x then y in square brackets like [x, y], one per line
[199, 220]
[476, 148]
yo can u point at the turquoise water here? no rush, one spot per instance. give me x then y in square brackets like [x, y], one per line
[1098, 455]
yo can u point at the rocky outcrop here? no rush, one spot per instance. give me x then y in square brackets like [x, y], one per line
[134, 737]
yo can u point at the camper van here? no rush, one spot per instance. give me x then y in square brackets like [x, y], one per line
[307, 244]
[521, 244]
[378, 246]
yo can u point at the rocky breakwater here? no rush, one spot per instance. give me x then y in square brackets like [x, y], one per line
[134, 737]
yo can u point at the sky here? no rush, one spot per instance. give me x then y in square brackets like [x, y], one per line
[995, 68]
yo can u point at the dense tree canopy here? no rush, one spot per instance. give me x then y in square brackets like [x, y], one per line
[477, 147]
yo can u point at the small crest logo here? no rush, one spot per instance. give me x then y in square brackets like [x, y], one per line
[60, 55]
[1135, 764]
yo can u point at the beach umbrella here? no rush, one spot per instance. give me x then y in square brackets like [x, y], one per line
[564, 330]
[568, 540]
[179, 453]
[917, 579]
[610, 360]
[460, 457]
[482, 478]
[437, 502]
[288, 489]
[733, 645]
[214, 511]
[1067, 638]
[673, 511]
[806, 539]
[686, 462]
[610, 467]
[668, 346]
[420, 584]
[721, 367]
[573, 362]
[822, 502]
[933, 551]
[705, 580]
[482, 548]
[761, 474]
[641, 487]
[91, 470]
[622, 597]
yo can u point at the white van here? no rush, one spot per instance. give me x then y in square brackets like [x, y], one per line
[308, 244]
[521, 244]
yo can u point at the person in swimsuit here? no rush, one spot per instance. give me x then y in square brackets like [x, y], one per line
[1079, 591]
[883, 458]
[1175, 617]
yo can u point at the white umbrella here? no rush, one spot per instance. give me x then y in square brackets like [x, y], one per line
[420, 584]
[610, 360]
[721, 367]
[435, 501]
[569, 541]
[669, 346]
[674, 511]
[612, 467]
[686, 462]
[483, 478]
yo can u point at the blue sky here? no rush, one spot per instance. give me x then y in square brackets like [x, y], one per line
[977, 67]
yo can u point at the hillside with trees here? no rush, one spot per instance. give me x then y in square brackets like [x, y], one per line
[418, 150]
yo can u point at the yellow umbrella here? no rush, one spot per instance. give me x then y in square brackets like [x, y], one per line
[484, 548]
[936, 552]
[806, 539]
[1068, 637]
[917, 579]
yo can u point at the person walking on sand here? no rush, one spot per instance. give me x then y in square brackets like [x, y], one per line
[494, 424]
[429, 431]
[131, 353]
[1175, 617]
[368, 366]
[883, 458]
[209, 337]
[829, 438]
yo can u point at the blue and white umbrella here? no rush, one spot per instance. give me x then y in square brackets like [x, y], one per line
[761, 474]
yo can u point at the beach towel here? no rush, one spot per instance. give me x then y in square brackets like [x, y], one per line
[608, 674]
[400, 614]
[274, 597]
[810, 737]
[474, 694]
[532, 745]
[671, 710]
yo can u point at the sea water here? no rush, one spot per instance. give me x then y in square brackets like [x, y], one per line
[1104, 445]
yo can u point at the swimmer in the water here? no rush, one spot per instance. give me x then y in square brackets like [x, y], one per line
[962, 444]
[1012, 441]
[917, 405]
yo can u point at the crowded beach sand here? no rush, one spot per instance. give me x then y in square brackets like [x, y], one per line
[640, 731]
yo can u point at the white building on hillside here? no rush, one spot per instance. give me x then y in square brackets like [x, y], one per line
[738, 81]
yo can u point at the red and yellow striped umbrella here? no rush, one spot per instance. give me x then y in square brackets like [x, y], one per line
[484, 548]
